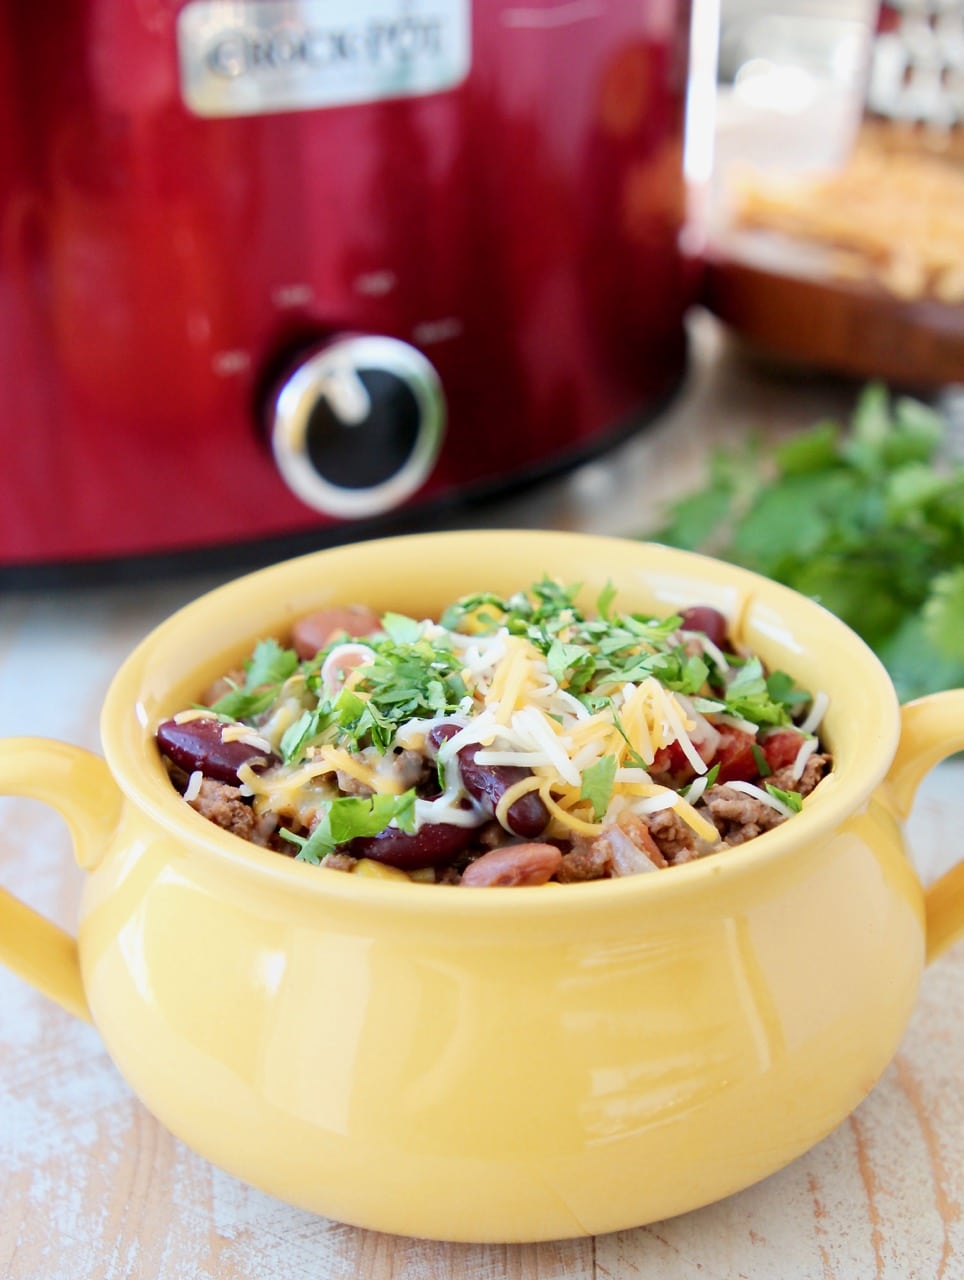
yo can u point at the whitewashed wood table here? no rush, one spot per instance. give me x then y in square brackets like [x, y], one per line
[92, 1186]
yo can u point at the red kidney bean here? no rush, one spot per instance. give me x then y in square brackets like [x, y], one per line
[197, 744]
[710, 621]
[487, 784]
[514, 864]
[440, 733]
[315, 630]
[430, 846]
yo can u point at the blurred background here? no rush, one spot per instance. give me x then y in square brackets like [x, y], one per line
[278, 273]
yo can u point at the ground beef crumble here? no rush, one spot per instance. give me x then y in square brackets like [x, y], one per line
[676, 841]
[739, 817]
[816, 767]
[225, 806]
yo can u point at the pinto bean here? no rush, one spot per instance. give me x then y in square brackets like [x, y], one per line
[198, 744]
[487, 784]
[315, 630]
[514, 864]
[708, 620]
[430, 846]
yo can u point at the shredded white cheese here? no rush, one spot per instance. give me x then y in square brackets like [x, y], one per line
[193, 788]
[807, 748]
[243, 733]
[764, 797]
[816, 713]
[194, 713]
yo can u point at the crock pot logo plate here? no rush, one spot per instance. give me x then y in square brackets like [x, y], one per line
[253, 57]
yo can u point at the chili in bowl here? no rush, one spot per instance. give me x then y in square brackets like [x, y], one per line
[513, 741]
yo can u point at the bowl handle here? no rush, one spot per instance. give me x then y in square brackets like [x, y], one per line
[931, 729]
[78, 784]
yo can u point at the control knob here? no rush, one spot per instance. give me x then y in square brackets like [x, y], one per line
[357, 425]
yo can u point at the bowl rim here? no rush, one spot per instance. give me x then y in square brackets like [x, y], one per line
[127, 739]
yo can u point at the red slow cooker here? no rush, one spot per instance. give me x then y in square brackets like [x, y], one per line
[275, 268]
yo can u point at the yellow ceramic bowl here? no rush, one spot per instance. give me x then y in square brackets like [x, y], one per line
[514, 1064]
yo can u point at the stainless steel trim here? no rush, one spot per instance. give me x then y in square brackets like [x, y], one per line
[333, 367]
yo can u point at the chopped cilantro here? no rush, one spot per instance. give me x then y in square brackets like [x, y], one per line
[747, 696]
[269, 664]
[782, 689]
[307, 729]
[570, 664]
[401, 629]
[237, 704]
[597, 785]
[604, 601]
[762, 767]
[265, 671]
[350, 817]
[634, 755]
[403, 681]
[792, 799]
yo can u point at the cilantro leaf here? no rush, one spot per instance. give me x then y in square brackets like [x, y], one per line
[265, 671]
[762, 766]
[236, 704]
[809, 451]
[401, 629]
[570, 664]
[350, 817]
[597, 785]
[781, 689]
[604, 601]
[792, 799]
[309, 726]
[634, 756]
[748, 697]
[269, 664]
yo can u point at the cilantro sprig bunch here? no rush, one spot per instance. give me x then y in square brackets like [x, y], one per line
[868, 519]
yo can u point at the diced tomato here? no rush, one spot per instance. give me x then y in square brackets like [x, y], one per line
[671, 760]
[781, 748]
[735, 755]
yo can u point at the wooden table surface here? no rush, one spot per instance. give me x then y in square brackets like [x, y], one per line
[92, 1186]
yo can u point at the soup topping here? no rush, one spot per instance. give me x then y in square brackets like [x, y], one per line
[512, 742]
